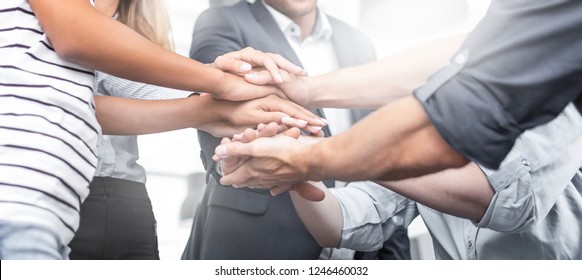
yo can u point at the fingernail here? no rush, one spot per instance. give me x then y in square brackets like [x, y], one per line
[320, 122]
[279, 78]
[316, 128]
[301, 122]
[287, 120]
[245, 67]
[220, 151]
[324, 121]
[252, 76]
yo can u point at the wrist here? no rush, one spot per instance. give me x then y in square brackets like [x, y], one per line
[208, 110]
[218, 83]
[314, 90]
[309, 163]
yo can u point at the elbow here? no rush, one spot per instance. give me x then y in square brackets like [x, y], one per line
[69, 49]
[328, 243]
[327, 239]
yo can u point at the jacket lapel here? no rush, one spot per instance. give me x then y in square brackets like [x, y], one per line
[344, 53]
[272, 30]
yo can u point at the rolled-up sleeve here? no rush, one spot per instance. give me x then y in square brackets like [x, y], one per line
[519, 68]
[535, 174]
[371, 214]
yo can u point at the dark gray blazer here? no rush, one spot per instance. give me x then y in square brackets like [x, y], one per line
[247, 223]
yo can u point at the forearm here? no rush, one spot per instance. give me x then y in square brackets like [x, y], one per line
[375, 84]
[101, 43]
[121, 116]
[395, 142]
[464, 192]
[323, 219]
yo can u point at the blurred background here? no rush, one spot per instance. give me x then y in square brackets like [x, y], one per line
[175, 171]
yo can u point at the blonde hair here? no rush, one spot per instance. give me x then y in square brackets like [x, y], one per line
[148, 18]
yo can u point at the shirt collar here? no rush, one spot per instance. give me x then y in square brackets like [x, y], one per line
[322, 31]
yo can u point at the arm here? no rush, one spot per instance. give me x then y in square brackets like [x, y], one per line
[104, 44]
[539, 180]
[409, 147]
[370, 85]
[375, 84]
[463, 192]
[218, 117]
[323, 219]
[523, 94]
[107, 84]
[531, 179]
[361, 216]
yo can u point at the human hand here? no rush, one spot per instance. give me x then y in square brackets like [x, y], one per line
[232, 117]
[235, 88]
[241, 62]
[296, 88]
[261, 68]
[234, 164]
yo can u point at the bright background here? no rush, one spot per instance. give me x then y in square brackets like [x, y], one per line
[172, 158]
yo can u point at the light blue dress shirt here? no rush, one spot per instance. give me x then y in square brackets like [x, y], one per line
[534, 214]
[118, 155]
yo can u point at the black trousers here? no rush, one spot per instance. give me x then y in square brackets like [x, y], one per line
[117, 222]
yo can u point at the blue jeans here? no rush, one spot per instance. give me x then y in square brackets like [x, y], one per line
[22, 241]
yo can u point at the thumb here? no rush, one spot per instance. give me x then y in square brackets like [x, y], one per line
[231, 65]
[234, 149]
[293, 132]
[309, 191]
[262, 77]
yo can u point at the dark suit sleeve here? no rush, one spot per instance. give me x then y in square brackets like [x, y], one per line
[215, 34]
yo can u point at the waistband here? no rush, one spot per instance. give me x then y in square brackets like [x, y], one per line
[120, 187]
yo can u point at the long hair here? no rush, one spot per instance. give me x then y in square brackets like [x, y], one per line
[148, 18]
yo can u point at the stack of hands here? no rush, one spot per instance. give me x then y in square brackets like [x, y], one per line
[253, 158]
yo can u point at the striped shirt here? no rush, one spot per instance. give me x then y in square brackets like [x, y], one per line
[118, 155]
[48, 129]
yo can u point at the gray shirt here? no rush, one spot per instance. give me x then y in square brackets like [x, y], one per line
[518, 68]
[118, 155]
[534, 214]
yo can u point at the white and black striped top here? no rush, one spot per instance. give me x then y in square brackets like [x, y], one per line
[48, 129]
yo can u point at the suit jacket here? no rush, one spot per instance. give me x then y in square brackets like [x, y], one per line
[248, 223]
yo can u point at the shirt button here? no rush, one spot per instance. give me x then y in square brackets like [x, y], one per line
[470, 243]
[525, 162]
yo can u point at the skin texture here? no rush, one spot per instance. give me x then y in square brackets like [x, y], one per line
[113, 51]
[409, 147]
[463, 192]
